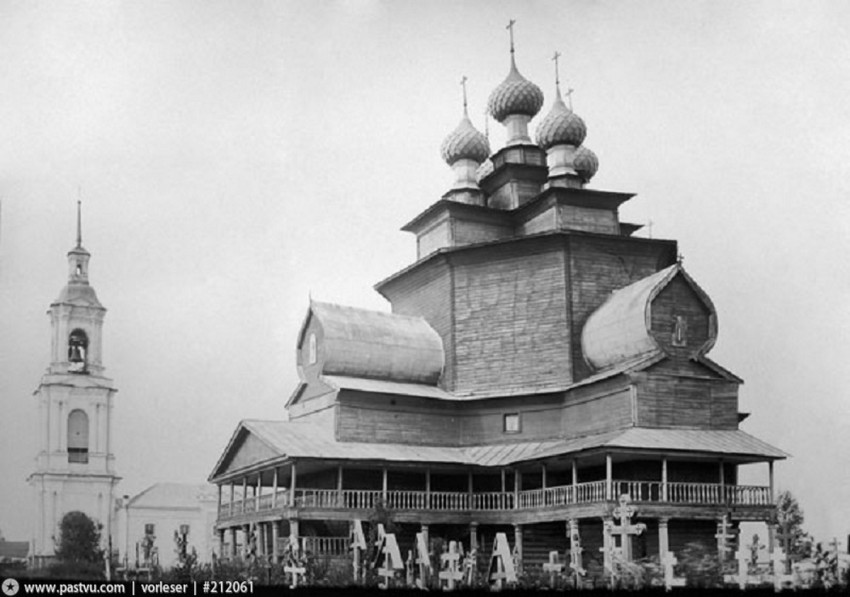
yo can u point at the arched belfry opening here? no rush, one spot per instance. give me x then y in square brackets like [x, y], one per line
[78, 346]
[78, 436]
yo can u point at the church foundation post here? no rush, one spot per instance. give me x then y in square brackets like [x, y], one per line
[275, 538]
[518, 547]
[663, 537]
[221, 543]
[246, 540]
[261, 539]
[233, 552]
[473, 536]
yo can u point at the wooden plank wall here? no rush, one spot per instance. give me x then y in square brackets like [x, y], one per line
[511, 328]
[390, 419]
[671, 401]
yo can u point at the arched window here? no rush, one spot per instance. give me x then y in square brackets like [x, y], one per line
[313, 352]
[78, 347]
[78, 436]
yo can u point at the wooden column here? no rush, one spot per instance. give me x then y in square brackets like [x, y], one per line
[770, 476]
[232, 496]
[246, 540]
[722, 482]
[221, 543]
[292, 475]
[469, 490]
[609, 483]
[274, 489]
[664, 496]
[543, 475]
[259, 492]
[517, 484]
[427, 488]
[218, 511]
[518, 544]
[473, 535]
[244, 493]
[233, 551]
[294, 532]
[275, 541]
[261, 539]
[663, 537]
[574, 466]
[384, 484]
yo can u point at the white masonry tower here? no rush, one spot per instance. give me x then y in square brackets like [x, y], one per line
[75, 467]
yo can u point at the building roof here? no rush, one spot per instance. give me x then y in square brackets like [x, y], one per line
[619, 330]
[14, 550]
[289, 440]
[174, 495]
[376, 345]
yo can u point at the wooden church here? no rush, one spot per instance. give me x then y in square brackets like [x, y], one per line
[539, 367]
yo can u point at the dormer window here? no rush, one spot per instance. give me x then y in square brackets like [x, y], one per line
[78, 345]
[511, 423]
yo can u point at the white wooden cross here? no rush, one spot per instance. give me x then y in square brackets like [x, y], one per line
[388, 549]
[575, 555]
[501, 567]
[553, 567]
[669, 561]
[743, 556]
[358, 544]
[423, 559]
[409, 568]
[294, 567]
[780, 579]
[724, 537]
[469, 565]
[626, 529]
[450, 573]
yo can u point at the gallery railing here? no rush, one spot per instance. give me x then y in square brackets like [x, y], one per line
[453, 501]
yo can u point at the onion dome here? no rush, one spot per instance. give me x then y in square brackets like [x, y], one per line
[515, 95]
[560, 126]
[585, 163]
[465, 142]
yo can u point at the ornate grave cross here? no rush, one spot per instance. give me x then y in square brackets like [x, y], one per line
[423, 560]
[553, 567]
[409, 569]
[626, 529]
[743, 556]
[575, 559]
[725, 535]
[294, 567]
[450, 573]
[669, 561]
[469, 565]
[778, 558]
[388, 549]
[501, 567]
[358, 544]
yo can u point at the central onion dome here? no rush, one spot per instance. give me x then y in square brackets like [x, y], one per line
[585, 163]
[465, 142]
[560, 126]
[515, 95]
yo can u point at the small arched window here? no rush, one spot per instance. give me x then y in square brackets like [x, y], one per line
[312, 351]
[78, 436]
[78, 347]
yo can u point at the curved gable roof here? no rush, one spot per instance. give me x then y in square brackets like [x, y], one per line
[376, 345]
[620, 329]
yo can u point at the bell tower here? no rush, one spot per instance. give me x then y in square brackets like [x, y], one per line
[75, 467]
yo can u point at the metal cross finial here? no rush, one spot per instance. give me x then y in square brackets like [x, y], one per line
[510, 28]
[463, 84]
[557, 74]
[79, 224]
[680, 258]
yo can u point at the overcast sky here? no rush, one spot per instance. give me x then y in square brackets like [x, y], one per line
[235, 157]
